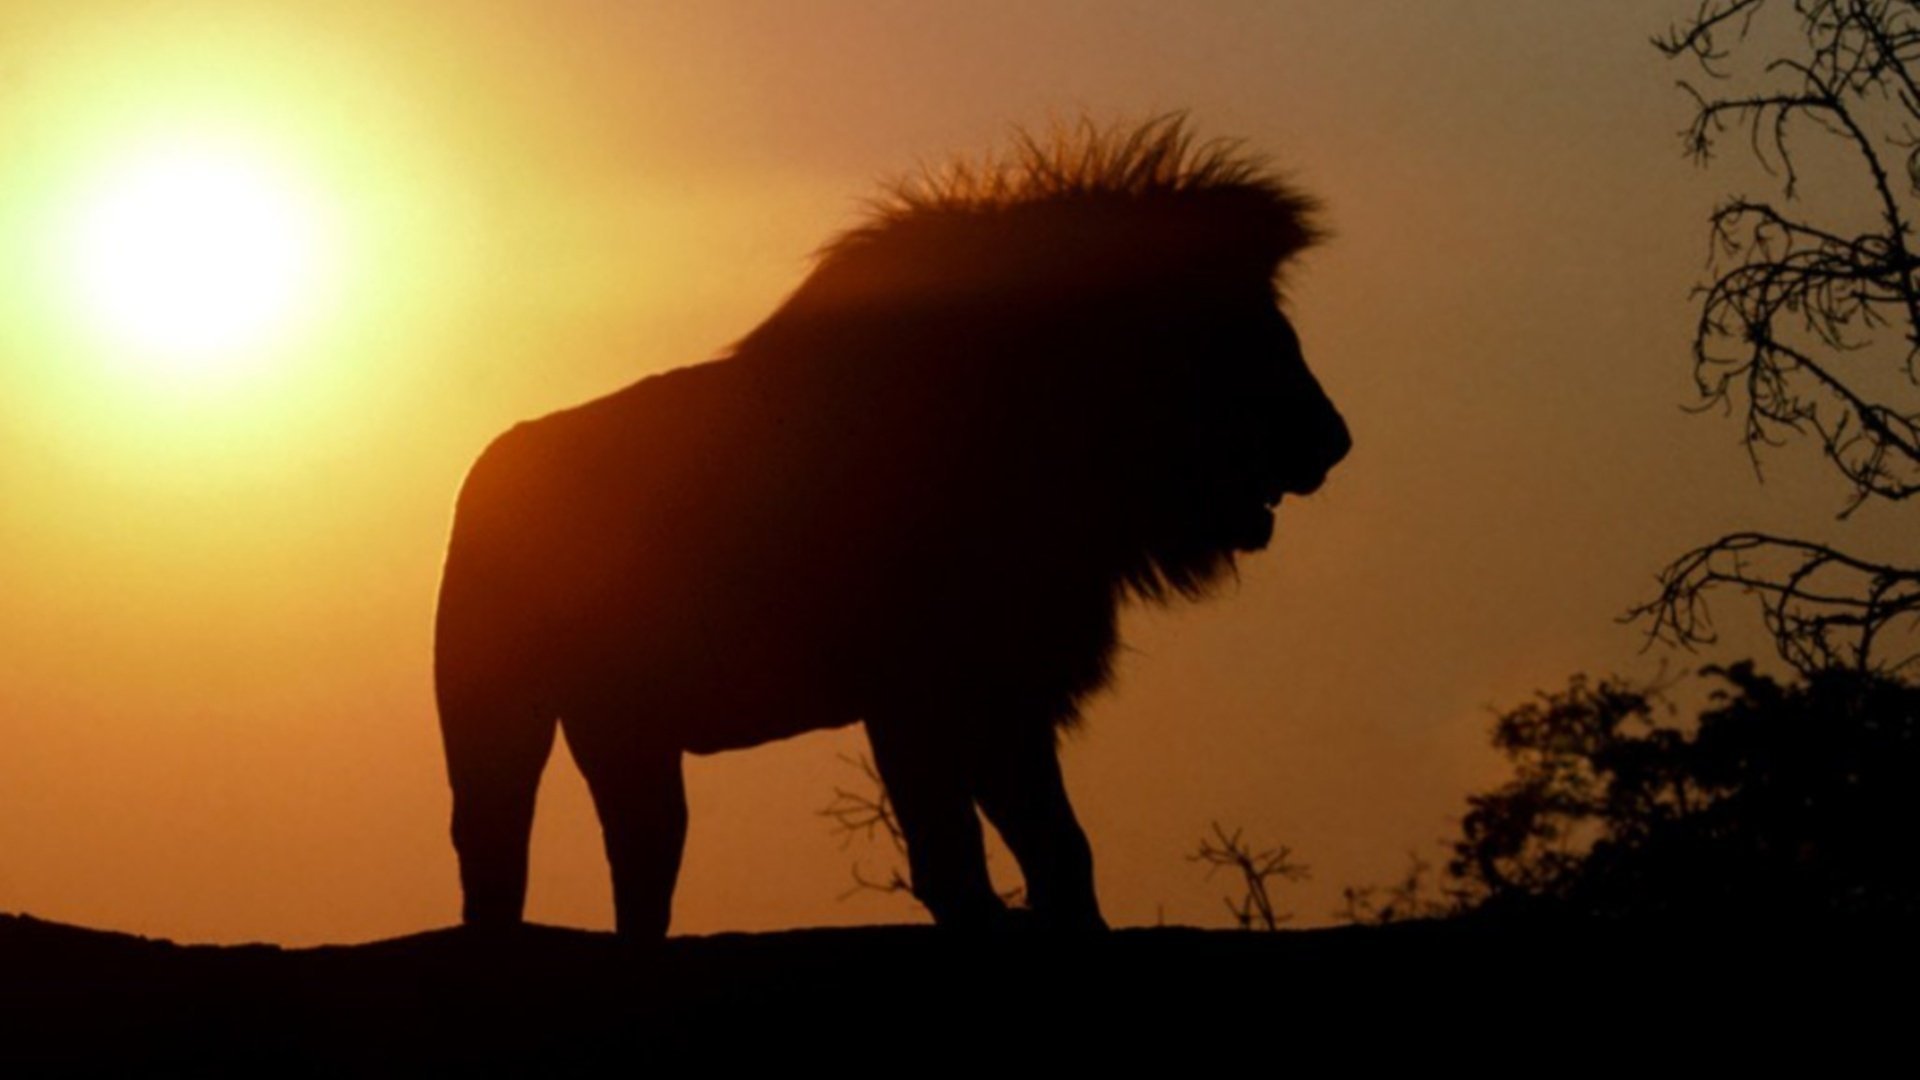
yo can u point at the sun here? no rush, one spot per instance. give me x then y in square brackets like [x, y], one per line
[194, 260]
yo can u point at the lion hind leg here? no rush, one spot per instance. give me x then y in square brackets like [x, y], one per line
[1019, 786]
[946, 853]
[640, 795]
[495, 751]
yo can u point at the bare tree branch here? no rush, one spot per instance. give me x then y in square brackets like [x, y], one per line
[1809, 321]
[1823, 607]
[1696, 35]
[867, 815]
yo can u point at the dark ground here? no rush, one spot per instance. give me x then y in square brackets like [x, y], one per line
[883, 1000]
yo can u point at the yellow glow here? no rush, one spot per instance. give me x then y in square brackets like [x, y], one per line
[193, 259]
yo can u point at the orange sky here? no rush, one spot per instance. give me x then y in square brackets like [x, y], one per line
[214, 682]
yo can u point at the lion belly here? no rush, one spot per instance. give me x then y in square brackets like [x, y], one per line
[720, 656]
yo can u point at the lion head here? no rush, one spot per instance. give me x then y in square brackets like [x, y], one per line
[1115, 294]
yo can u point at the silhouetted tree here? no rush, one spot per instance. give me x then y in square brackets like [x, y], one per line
[1255, 910]
[1782, 800]
[1417, 895]
[1809, 320]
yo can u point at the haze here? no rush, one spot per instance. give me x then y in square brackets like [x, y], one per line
[214, 678]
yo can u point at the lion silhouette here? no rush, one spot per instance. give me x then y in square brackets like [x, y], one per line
[1024, 389]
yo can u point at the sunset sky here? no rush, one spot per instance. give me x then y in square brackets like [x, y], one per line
[221, 540]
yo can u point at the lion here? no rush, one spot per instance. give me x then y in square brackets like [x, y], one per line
[1025, 389]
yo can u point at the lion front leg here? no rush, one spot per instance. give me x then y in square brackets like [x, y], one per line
[640, 794]
[926, 779]
[496, 750]
[1018, 784]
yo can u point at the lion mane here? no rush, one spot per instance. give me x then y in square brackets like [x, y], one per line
[1022, 390]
